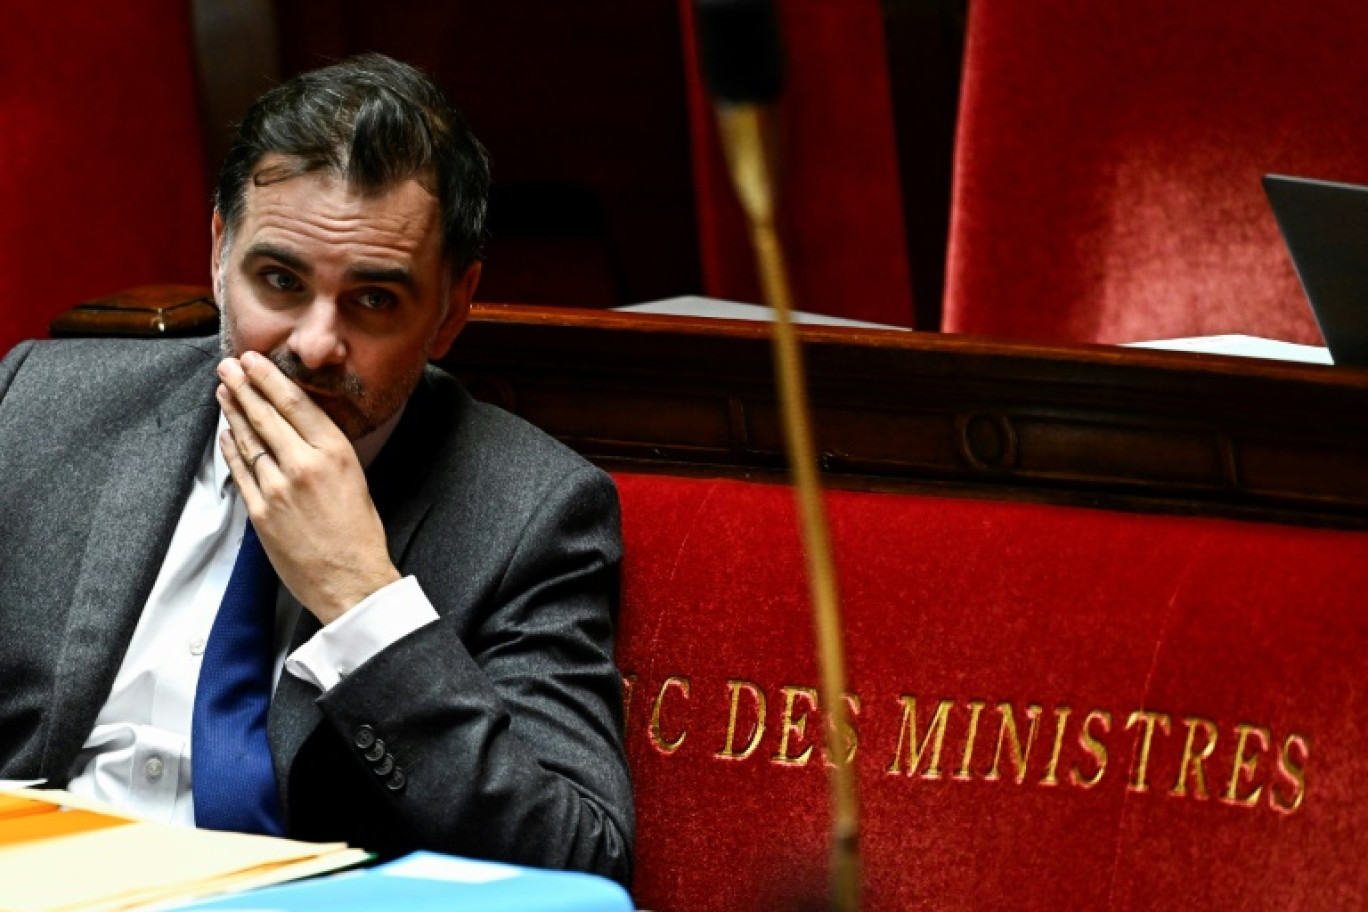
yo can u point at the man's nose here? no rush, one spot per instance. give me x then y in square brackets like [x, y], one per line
[317, 336]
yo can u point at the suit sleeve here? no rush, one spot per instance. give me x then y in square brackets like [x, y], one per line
[509, 738]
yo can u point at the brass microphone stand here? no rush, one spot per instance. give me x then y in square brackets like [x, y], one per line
[743, 131]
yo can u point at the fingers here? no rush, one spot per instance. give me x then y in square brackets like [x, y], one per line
[245, 478]
[256, 423]
[246, 440]
[286, 399]
[250, 460]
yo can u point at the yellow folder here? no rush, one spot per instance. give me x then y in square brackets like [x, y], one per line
[60, 852]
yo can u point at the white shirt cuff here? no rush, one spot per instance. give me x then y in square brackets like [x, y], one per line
[381, 619]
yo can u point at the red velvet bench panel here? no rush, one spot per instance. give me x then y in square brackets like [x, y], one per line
[1053, 707]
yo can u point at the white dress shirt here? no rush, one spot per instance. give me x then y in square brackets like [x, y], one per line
[137, 757]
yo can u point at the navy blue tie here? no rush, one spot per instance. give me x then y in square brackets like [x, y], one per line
[234, 781]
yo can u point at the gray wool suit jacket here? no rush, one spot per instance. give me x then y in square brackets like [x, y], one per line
[503, 718]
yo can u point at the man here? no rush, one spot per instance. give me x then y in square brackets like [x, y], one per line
[443, 629]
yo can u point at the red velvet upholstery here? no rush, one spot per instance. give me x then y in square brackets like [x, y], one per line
[840, 206]
[1109, 155]
[101, 172]
[1092, 615]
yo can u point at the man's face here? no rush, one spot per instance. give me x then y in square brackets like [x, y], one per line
[347, 293]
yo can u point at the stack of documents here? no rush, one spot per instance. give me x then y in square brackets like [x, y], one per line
[1243, 347]
[60, 851]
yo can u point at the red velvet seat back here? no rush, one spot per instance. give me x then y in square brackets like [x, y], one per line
[101, 172]
[1109, 156]
[1239, 647]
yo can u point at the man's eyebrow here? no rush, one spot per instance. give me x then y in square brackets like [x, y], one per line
[384, 275]
[379, 275]
[263, 250]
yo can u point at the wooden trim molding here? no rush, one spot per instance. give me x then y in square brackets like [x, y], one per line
[1088, 424]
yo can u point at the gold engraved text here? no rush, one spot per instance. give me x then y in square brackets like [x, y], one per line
[1194, 761]
[975, 710]
[1245, 765]
[1267, 768]
[1061, 721]
[907, 734]
[1148, 720]
[757, 730]
[657, 737]
[791, 725]
[1293, 772]
[1094, 747]
[1008, 730]
[848, 735]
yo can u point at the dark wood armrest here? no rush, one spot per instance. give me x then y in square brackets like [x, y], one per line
[149, 311]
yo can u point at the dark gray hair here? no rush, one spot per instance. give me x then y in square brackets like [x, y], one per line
[374, 122]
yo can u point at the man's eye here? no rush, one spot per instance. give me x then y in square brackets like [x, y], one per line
[281, 281]
[375, 300]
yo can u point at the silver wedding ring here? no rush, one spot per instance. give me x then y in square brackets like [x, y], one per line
[251, 463]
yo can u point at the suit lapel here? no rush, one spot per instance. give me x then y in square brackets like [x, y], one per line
[402, 470]
[150, 467]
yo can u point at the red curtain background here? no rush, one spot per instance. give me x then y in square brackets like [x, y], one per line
[101, 175]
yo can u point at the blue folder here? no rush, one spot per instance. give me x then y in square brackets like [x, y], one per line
[428, 882]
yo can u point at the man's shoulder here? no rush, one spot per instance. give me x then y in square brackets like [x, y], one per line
[487, 484]
[488, 429]
[68, 376]
[100, 360]
[473, 445]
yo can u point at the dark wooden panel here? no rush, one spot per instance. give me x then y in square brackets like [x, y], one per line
[1095, 425]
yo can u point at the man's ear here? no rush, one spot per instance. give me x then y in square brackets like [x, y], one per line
[458, 310]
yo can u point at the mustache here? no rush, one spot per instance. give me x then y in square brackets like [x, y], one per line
[331, 379]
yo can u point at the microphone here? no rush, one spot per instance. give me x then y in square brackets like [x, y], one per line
[743, 66]
[742, 58]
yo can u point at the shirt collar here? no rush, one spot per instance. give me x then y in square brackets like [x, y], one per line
[367, 448]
